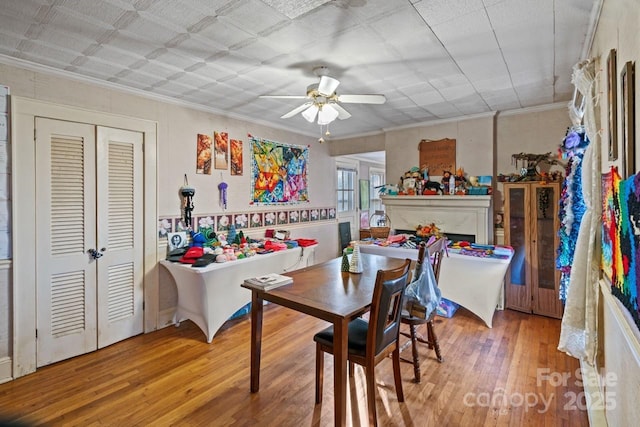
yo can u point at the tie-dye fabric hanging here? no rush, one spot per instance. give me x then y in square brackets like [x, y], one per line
[572, 206]
[610, 211]
[278, 173]
[621, 239]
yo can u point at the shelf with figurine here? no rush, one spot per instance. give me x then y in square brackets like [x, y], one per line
[534, 167]
[416, 182]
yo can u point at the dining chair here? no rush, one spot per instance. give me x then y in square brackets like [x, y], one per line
[344, 228]
[371, 342]
[415, 313]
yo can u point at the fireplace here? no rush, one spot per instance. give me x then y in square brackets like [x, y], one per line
[454, 237]
[455, 216]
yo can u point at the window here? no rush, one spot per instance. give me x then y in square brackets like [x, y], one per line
[346, 189]
[376, 179]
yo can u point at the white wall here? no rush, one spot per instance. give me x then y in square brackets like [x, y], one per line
[618, 347]
[617, 29]
[177, 127]
[484, 145]
[474, 146]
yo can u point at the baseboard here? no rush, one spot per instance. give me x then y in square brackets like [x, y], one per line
[5, 370]
[593, 394]
[165, 317]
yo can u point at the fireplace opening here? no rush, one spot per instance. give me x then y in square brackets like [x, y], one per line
[457, 237]
[454, 237]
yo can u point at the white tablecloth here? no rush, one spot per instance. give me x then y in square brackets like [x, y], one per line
[474, 283]
[209, 295]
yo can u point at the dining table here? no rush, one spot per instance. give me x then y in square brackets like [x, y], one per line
[210, 295]
[476, 283]
[326, 292]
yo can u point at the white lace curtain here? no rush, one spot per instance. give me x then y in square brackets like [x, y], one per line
[578, 332]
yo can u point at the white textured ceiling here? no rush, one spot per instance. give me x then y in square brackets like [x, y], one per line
[432, 59]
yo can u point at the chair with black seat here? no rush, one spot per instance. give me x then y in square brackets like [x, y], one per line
[344, 228]
[371, 342]
[417, 313]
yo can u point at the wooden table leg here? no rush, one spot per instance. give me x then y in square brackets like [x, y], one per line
[340, 351]
[256, 339]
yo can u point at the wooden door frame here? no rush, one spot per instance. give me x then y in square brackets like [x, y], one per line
[24, 111]
[355, 223]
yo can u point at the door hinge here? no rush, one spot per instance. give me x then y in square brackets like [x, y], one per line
[36, 334]
[142, 305]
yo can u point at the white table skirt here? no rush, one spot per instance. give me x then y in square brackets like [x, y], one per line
[209, 295]
[474, 283]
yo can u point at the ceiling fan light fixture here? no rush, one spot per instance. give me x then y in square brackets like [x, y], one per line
[327, 114]
[310, 113]
[327, 85]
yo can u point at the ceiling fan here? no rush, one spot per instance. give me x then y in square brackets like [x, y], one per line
[323, 102]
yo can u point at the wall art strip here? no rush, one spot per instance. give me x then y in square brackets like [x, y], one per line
[203, 162]
[221, 150]
[236, 157]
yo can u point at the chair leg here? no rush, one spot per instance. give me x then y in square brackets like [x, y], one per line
[433, 340]
[414, 352]
[371, 394]
[319, 373]
[396, 374]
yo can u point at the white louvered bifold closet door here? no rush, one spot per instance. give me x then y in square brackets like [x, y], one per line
[66, 229]
[120, 278]
[89, 196]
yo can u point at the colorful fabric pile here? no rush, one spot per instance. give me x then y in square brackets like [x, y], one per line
[482, 251]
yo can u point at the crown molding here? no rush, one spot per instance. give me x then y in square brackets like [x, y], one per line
[45, 69]
[8, 60]
[535, 109]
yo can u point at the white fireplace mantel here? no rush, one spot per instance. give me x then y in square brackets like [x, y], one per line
[453, 214]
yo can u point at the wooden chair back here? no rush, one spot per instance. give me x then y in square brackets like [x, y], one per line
[386, 308]
[435, 252]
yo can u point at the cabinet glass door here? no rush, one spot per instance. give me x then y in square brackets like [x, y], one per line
[545, 237]
[517, 235]
[547, 278]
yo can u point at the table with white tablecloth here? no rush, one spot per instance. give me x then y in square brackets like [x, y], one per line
[473, 282]
[209, 295]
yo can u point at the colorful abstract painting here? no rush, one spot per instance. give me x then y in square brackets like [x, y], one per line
[623, 205]
[236, 157]
[278, 173]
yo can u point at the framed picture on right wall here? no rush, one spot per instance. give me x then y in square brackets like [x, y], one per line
[627, 119]
[612, 90]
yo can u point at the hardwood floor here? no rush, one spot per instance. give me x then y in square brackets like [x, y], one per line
[508, 375]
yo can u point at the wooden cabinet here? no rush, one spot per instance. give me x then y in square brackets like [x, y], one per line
[531, 228]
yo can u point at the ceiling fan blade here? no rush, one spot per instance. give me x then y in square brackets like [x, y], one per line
[327, 85]
[297, 110]
[284, 96]
[362, 99]
[342, 113]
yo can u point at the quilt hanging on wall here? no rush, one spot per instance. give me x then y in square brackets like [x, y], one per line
[621, 239]
[278, 172]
